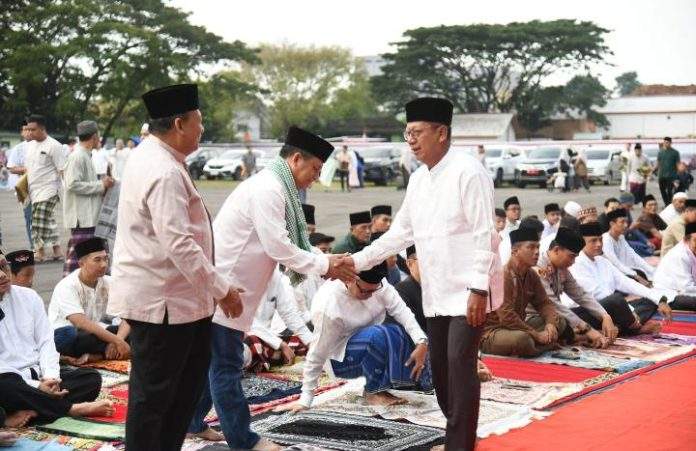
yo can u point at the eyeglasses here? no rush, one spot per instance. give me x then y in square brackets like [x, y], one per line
[415, 133]
[368, 291]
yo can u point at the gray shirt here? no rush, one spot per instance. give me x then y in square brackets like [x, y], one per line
[83, 191]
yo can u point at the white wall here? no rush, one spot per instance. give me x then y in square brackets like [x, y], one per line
[652, 125]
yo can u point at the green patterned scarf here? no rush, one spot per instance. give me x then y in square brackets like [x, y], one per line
[294, 217]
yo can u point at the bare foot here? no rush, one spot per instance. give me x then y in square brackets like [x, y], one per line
[484, 374]
[92, 409]
[209, 434]
[651, 327]
[438, 448]
[383, 398]
[19, 419]
[39, 255]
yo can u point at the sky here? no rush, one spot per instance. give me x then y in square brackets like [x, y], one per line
[655, 38]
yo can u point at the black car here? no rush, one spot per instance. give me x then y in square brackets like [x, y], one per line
[381, 164]
[199, 158]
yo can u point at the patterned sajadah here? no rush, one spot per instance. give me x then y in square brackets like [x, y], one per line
[340, 431]
[586, 358]
[118, 366]
[258, 389]
[667, 339]
[75, 443]
[536, 395]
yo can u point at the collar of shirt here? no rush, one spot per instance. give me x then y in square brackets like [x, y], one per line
[180, 157]
[441, 165]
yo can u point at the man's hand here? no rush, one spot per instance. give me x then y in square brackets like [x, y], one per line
[288, 353]
[122, 349]
[417, 359]
[609, 330]
[553, 333]
[293, 407]
[110, 352]
[52, 388]
[476, 309]
[597, 340]
[342, 267]
[666, 311]
[231, 304]
[107, 181]
[541, 337]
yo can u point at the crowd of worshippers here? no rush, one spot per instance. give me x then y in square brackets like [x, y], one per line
[575, 277]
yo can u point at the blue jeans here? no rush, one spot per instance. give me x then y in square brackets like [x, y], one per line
[64, 337]
[27, 224]
[226, 388]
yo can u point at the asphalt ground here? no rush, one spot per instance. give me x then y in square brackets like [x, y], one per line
[332, 209]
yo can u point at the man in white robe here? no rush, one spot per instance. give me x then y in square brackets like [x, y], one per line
[676, 273]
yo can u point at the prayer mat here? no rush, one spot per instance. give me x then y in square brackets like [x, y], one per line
[120, 393]
[85, 429]
[641, 350]
[682, 318]
[72, 442]
[526, 370]
[25, 444]
[683, 328]
[259, 389]
[590, 359]
[535, 395]
[655, 411]
[109, 378]
[341, 431]
[119, 416]
[668, 339]
[117, 366]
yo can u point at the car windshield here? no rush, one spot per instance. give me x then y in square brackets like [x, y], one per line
[375, 152]
[545, 153]
[232, 154]
[494, 153]
[597, 154]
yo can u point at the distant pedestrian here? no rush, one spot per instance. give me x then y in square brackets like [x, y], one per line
[343, 158]
[249, 163]
[117, 159]
[16, 165]
[581, 172]
[667, 160]
[684, 178]
[639, 169]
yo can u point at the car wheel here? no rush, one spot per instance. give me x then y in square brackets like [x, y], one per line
[498, 178]
[237, 174]
[519, 183]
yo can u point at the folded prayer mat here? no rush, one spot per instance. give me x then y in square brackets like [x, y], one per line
[85, 429]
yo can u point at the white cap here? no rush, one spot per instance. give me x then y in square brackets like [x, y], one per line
[680, 195]
[145, 128]
[572, 208]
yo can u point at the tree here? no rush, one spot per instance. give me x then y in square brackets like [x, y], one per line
[487, 67]
[627, 82]
[582, 94]
[71, 59]
[309, 86]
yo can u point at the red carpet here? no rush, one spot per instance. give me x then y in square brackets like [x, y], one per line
[656, 411]
[526, 370]
[679, 327]
[119, 416]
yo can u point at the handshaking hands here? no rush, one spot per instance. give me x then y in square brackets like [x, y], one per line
[342, 267]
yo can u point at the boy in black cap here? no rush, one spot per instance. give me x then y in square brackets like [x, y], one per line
[506, 331]
[359, 235]
[552, 220]
[22, 268]
[649, 222]
[381, 218]
[499, 220]
[321, 242]
[620, 253]
[513, 213]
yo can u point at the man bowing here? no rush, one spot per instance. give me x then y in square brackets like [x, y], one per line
[448, 214]
[164, 281]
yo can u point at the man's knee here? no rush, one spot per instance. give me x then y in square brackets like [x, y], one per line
[510, 342]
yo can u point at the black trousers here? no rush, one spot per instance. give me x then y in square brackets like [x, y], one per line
[454, 348]
[682, 302]
[85, 343]
[83, 385]
[169, 366]
[343, 176]
[666, 190]
[617, 307]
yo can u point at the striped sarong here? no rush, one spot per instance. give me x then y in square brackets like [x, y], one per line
[44, 229]
[77, 235]
[380, 353]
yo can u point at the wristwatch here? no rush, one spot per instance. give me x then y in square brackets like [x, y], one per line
[483, 293]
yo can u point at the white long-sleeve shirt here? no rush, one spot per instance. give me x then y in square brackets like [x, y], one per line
[280, 298]
[337, 316]
[622, 255]
[674, 274]
[505, 249]
[26, 337]
[549, 229]
[305, 291]
[599, 277]
[448, 213]
[669, 214]
[251, 239]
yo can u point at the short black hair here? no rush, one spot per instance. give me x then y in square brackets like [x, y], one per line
[610, 201]
[82, 138]
[287, 151]
[499, 212]
[71, 141]
[164, 124]
[38, 119]
[668, 139]
[532, 222]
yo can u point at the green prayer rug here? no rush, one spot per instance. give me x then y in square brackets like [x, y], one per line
[86, 429]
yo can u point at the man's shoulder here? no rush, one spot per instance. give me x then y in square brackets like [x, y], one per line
[26, 295]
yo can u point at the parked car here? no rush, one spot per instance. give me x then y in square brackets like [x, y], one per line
[604, 165]
[381, 164]
[229, 164]
[501, 162]
[537, 166]
[197, 160]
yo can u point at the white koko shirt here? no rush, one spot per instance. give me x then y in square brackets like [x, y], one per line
[675, 273]
[622, 255]
[44, 162]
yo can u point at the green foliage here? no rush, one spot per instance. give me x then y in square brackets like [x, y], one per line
[489, 67]
[626, 83]
[73, 59]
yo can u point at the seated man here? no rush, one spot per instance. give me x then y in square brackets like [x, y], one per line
[267, 347]
[649, 223]
[411, 293]
[381, 218]
[78, 306]
[674, 233]
[617, 250]
[505, 331]
[350, 335]
[31, 378]
[675, 273]
[359, 235]
[513, 212]
[22, 268]
[610, 205]
[552, 220]
[673, 210]
[500, 220]
[609, 286]
[529, 222]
